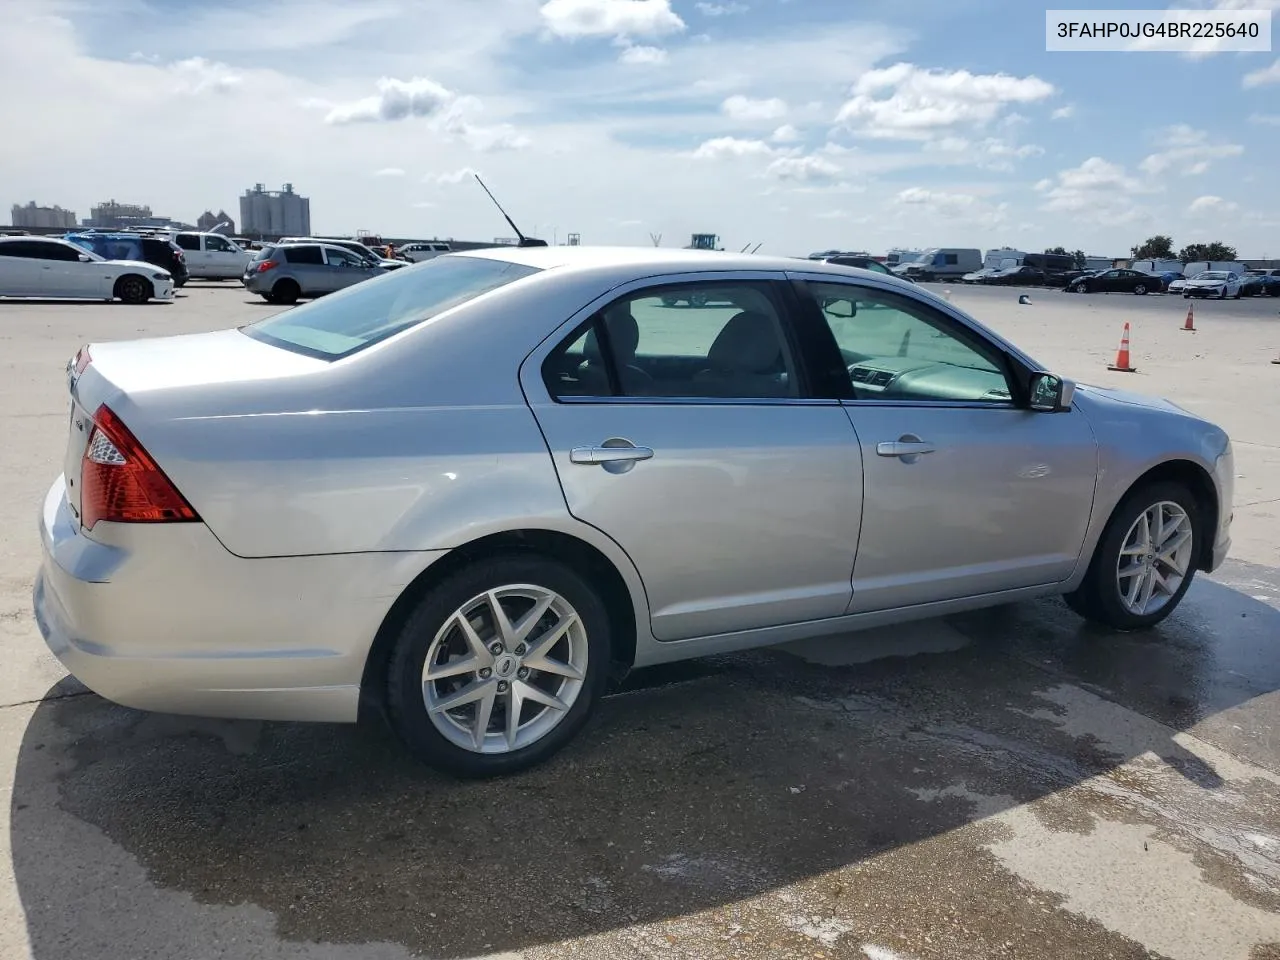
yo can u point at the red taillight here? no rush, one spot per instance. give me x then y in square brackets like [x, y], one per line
[82, 359]
[266, 265]
[120, 482]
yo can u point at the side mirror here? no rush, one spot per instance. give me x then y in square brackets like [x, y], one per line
[839, 307]
[84, 258]
[1051, 393]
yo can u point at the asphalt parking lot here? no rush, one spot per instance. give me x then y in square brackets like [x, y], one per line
[1002, 784]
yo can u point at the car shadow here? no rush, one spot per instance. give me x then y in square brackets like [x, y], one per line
[696, 786]
[76, 301]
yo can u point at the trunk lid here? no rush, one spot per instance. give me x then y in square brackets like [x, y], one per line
[193, 370]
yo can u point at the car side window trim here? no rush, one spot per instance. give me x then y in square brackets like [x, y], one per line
[532, 370]
[833, 373]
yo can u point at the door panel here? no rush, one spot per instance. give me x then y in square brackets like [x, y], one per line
[965, 491]
[18, 275]
[745, 516]
[742, 510]
[1002, 501]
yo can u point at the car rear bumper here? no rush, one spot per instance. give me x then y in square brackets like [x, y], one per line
[162, 617]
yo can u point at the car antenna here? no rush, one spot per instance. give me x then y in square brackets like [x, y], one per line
[524, 241]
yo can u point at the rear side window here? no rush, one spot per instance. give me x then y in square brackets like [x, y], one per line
[365, 313]
[188, 241]
[303, 255]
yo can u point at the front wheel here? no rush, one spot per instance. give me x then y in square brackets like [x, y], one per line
[1145, 560]
[133, 289]
[499, 666]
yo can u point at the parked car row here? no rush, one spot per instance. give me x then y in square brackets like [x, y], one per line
[54, 267]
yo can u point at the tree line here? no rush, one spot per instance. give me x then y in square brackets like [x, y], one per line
[1160, 247]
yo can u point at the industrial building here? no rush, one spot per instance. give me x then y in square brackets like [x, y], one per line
[44, 218]
[219, 222]
[271, 213]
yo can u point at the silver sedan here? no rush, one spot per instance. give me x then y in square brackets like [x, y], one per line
[470, 494]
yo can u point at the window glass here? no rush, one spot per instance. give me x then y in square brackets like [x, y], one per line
[310, 255]
[365, 313]
[896, 348]
[689, 340]
[50, 250]
[338, 255]
[217, 243]
[188, 241]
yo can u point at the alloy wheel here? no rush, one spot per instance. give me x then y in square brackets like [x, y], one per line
[1155, 558]
[505, 669]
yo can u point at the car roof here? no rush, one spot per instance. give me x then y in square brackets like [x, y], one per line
[657, 259]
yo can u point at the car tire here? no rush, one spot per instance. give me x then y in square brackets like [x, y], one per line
[446, 738]
[1100, 598]
[1140, 290]
[132, 288]
[285, 291]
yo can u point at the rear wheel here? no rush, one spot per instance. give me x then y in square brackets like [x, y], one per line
[132, 288]
[1145, 560]
[1140, 289]
[285, 291]
[499, 666]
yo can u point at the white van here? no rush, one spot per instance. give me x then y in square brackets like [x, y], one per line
[1003, 259]
[1197, 267]
[941, 263]
[211, 256]
[423, 250]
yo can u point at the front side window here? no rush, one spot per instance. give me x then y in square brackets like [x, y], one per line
[698, 340]
[898, 349]
[338, 256]
[48, 250]
[365, 313]
[217, 243]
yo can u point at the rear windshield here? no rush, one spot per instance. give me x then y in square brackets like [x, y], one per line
[361, 315]
[265, 253]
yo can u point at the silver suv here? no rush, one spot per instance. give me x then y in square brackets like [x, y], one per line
[283, 272]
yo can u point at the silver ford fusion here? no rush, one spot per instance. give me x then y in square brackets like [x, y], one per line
[468, 494]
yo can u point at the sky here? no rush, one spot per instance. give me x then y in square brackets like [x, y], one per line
[799, 125]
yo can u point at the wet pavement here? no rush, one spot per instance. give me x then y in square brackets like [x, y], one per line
[1011, 783]
[1026, 787]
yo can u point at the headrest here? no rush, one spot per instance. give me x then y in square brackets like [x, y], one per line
[747, 344]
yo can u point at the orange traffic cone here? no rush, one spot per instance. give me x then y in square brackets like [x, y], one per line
[1122, 355]
[1190, 325]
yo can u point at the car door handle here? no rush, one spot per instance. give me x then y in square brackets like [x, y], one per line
[903, 448]
[602, 455]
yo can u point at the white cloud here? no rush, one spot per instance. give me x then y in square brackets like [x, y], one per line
[1265, 119]
[642, 56]
[1212, 204]
[831, 215]
[389, 172]
[197, 75]
[785, 134]
[453, 176]
[954, 205]
[803, 169]
[395, 100]
[1187, 152]
[720, 9]
[571, 19]
[423, 204]
[1097, 191]
[909, 102]
[719, 148]
[1257, 78]
[748, 110]
[1064, 113]
[1000, 148]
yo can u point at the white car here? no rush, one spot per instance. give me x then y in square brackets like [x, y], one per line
[211, 256]
[423, 250]
[1213, 283]
[50, 267]
[1176, 286]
